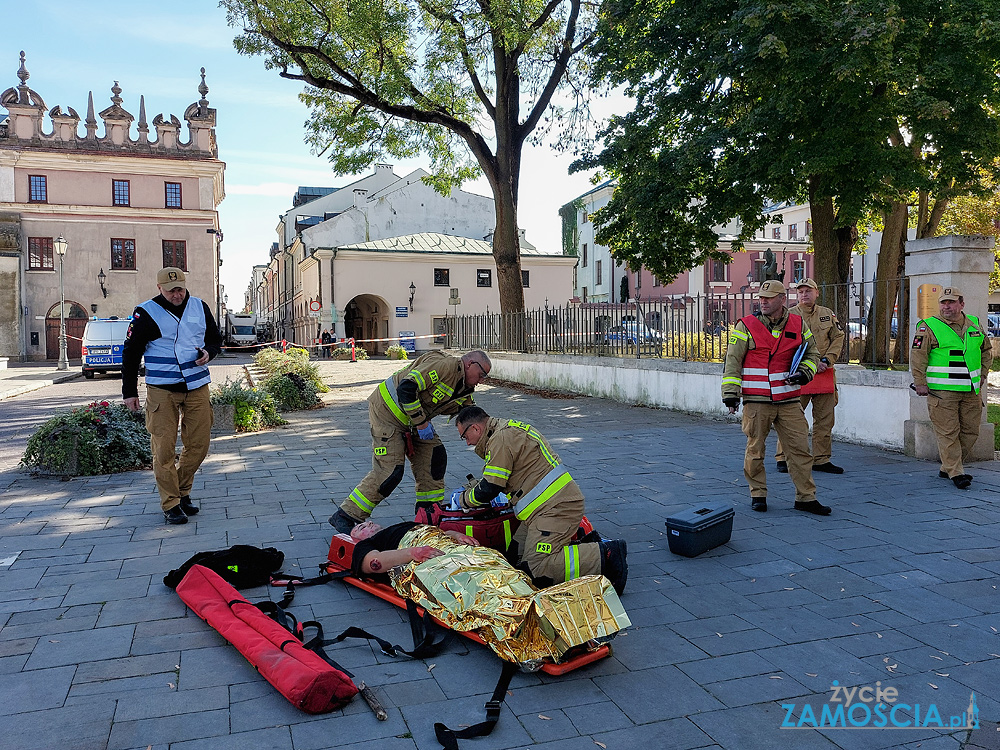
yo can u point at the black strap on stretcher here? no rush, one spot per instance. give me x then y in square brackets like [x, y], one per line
[425, 644]
[449, 737]
[428, 637]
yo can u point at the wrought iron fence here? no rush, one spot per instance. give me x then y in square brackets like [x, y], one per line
[685, 327]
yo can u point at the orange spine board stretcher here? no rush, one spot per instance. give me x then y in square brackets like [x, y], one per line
[341, 551]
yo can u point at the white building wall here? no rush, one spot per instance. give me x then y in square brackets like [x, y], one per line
[410, 209]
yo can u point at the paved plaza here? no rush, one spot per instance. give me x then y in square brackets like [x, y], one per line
[897, 589]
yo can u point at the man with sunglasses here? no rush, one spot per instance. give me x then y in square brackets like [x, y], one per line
[400, 412]
[522, 466]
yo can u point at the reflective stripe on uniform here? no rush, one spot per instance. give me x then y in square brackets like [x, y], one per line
[571, 561]
[549, 485]
[388, 390]
[358, 498]
[739, 335]
[496, 471]
[430, 496]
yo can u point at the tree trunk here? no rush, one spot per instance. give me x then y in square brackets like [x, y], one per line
[832, 248]
[886, 291]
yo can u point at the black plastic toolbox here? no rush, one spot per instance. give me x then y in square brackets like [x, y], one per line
[700, 528]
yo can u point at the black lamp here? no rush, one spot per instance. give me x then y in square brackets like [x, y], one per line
[413, 290]
[101, 278]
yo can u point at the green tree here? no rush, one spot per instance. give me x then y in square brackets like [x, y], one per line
[853, 105]
[431, 76]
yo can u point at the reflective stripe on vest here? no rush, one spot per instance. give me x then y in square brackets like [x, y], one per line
[955, 364]
[170, 359]
[549, 485]
[765, 367]
[388, 390]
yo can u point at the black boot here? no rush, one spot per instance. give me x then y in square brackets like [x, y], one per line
[614, 563]
[189, 508]
[342, 522]
[175, 515]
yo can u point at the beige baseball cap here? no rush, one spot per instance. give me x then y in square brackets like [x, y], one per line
[171, 278]
[809, 283]
[771, 288]
[950, 293]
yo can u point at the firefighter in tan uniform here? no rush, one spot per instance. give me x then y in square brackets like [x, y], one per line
[950, 358]
[400, 412]
[759, 368]
[822, 389]
[521, 464]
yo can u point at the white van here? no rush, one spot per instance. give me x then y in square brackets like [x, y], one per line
[103, 341]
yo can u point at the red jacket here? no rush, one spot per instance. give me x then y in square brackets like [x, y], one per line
[766, 366]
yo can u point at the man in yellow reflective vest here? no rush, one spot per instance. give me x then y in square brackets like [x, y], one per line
[522, 470]
[770, 356]
[950, 358]
[400, 411]
[821, 391]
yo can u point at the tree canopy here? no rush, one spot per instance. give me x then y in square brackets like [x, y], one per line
[853, 105]
[464, 82]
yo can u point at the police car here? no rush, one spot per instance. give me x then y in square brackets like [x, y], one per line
[103, 341]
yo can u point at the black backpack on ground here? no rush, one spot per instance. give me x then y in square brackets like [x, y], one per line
[242, 565]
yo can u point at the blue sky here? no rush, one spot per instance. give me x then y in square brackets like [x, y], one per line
[157, 50]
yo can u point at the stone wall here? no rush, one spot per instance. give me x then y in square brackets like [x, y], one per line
[872, 410]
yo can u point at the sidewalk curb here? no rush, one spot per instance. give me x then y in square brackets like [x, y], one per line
[35, 385]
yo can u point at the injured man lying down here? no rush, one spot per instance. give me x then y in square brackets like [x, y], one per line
[470, 587]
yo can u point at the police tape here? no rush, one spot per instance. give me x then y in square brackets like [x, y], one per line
[285, 344]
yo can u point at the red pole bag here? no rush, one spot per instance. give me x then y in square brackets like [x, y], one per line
[302, 675]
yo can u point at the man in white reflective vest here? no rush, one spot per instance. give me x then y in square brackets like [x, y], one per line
[178, 336]
[950, 358]
[770, 356]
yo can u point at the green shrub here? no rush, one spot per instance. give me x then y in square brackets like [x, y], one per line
[344, 352]
[291, 391]
[99, 438]
[255, 409]
[396, 352]
[295, 360]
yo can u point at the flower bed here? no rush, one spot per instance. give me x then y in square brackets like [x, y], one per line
[100, 438]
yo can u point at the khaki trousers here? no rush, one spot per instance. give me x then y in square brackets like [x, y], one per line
[822, 431]
[956, 417]
[793, 432]
[388, 459]
[163, 410]
[543, 542]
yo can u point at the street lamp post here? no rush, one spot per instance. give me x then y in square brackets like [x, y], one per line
[60, 246]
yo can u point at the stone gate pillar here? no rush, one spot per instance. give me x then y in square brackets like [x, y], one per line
[964, 261]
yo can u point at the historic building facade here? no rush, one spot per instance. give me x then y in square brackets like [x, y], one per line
[382, 255]
[126, 204]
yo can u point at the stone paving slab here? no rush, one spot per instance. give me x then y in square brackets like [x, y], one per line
[898, 587]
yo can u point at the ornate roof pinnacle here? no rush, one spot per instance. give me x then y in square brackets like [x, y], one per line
[116, 90]
[22, 72]
[203, 89]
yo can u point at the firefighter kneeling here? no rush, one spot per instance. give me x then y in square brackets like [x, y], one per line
[521, 464]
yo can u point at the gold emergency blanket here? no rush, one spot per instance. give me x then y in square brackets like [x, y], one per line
[475, 588]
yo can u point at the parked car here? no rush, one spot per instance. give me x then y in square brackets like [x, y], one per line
[857, 329]
[103, 341]
[993, 324]
[631, 331]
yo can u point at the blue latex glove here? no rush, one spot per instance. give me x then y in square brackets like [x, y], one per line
[427, 432]
[500, 501]
[455, 502]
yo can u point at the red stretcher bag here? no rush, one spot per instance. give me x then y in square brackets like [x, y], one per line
[302, 675]
[491, 527]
